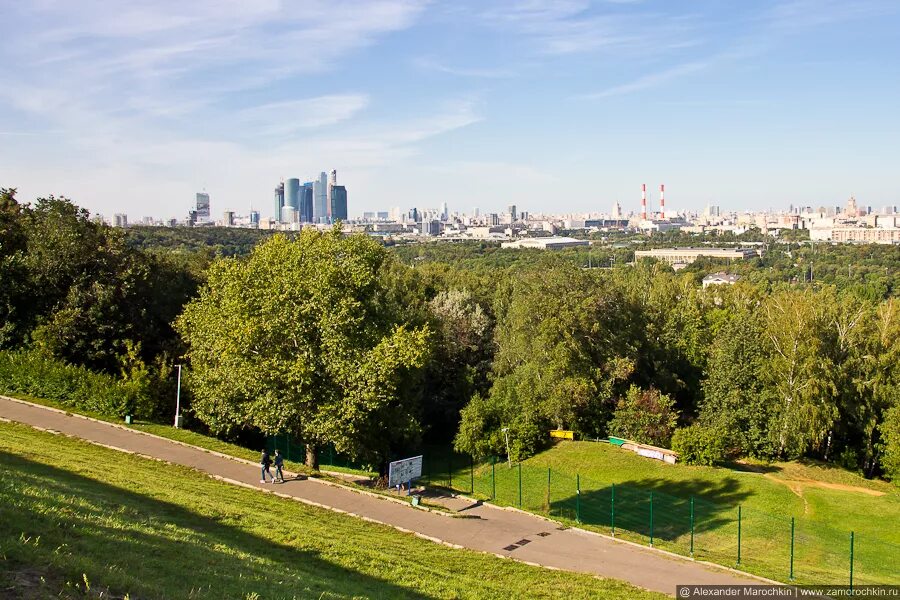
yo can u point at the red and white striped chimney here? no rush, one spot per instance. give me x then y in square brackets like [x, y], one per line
[662, 201]
[643, 201]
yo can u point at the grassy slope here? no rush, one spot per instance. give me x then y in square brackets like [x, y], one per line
[70, 509]
[768, 499]
[186, 436]
[772, 492]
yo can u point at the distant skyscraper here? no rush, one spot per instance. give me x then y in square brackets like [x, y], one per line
[511, 209]
[445, 214]
[338, 202]
[254, 218]
[306, 202]
[202, 206]
[337, 199]
[292, 193]
[120, 220]
[320, 199]
[228, 218]
[279, 202]
[617, 210]
[476, 212]
[414, 215]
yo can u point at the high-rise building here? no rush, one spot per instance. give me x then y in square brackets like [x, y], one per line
[120, 220]
[329, 201]
[337, 199]
[414, 215]
[279, 202]
[202, 206]
[292, 193]
[228, 218]
[306, 202]
[320, 199]
[444, 211]
[511, 209]
[338, 203]
[476, 212]
[254, 218]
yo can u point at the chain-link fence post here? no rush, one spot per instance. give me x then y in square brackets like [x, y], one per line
[450, 471]
[651, 519]
[472, 475]
[739, 536]
[520, 484]
[612, 509]
[692, 527]
[578, 499]
[791, 576]
[549, 501]
[493, 478]
[851, 563]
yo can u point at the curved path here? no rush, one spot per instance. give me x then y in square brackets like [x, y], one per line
[508, 533]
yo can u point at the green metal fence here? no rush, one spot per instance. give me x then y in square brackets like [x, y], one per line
[778, 547]
[773, 546]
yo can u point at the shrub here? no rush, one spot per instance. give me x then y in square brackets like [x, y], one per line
[700, 445]
[31, 373]
[890, 444]
[645, 416]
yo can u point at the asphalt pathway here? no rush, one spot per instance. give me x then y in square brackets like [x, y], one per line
[490, 529]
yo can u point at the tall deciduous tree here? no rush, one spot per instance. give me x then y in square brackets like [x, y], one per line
[307, 337]
[798, 371]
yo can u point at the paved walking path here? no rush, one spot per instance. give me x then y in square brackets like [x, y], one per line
[503, 532]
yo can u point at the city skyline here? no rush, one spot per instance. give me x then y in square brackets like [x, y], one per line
[552, 106]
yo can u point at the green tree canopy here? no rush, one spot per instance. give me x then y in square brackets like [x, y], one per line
[308, 337]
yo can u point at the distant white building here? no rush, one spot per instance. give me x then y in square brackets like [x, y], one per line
[720, 279]
[546, 243]
[684, 256]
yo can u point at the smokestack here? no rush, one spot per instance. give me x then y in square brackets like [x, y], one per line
[662, 201]
[643, 201]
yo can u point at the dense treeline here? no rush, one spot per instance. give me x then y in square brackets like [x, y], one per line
[210, 241]
[73, 291]
[344, 342]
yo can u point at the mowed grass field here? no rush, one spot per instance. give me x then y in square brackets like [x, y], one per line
[827, 503]
[78, 520]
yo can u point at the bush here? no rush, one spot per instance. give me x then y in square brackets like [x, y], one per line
[890, 444]
[31, 373]
[700, 445]
[645, 416]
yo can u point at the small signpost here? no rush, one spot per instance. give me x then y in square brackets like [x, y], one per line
[404, 471]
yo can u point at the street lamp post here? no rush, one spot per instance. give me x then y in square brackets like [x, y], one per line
[178, 400]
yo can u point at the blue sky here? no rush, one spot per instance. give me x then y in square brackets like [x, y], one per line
[565, 106]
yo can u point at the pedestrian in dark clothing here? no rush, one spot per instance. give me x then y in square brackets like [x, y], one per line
[265, 462]
[279, 463]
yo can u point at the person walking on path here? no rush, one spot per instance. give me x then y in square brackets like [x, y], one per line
[265, 462]
[279, 463]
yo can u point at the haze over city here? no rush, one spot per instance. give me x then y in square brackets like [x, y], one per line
[134, 107]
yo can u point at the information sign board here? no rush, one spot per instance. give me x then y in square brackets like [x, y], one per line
[405, 470]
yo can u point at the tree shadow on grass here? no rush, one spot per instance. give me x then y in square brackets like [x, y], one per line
[132, 542]
[627, 506]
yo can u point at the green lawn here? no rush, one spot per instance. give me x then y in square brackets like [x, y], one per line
[187, 436]
[827, 503]
[74, 514]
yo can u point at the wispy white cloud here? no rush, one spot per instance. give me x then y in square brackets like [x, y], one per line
[284, 118]
[579, 26]
[128, 54]
[429, 63]
[650, 80]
